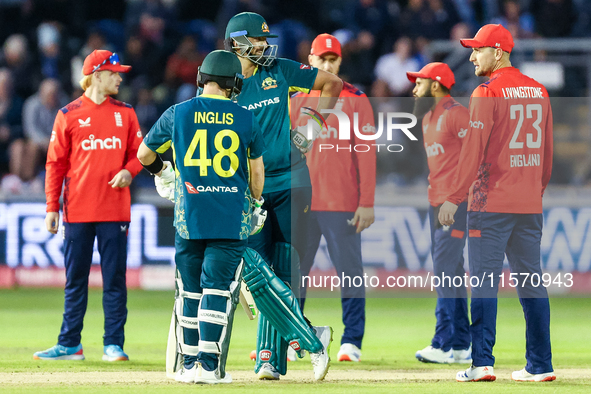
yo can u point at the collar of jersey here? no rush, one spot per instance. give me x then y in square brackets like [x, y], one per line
[501, 70]
[441, 102]
[214, 96]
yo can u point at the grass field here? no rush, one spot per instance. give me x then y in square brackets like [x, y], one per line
[395, 329]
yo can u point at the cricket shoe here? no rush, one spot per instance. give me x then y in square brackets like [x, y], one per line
[463, 356]
[210, 377]
[114, 353]
[434, 355]
[321, 360]
[186, 375]
[476, 374]
[524, 376]
[349, 352]
[268, 372]
[59, 352]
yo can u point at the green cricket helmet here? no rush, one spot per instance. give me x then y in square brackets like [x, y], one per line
[223, 68]
[245, 25]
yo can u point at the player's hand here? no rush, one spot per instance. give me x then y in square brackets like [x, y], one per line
[363, 218]
[259, 215]
[164, 191]
[167, 175]
[52, 221]
[165, 181]
[446, 213]
[121, 179]
[301, 138]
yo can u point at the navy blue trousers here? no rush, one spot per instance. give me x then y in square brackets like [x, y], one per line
[344, 249]
[491, 236]
[206, 264]
[452, 329]
[78, 248]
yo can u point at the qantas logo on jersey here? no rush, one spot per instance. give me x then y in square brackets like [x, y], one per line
[433, 150]
[190, 188]
[217, 189]
[262, 103]
[84, 123]
[96, 143]
[210, 189]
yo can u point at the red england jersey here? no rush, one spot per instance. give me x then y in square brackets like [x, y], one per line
[89, 145]
[444, 129]
[507, 155]
[344, 176]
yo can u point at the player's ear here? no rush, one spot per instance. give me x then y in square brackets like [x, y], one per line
[498, 53]
[434, 87]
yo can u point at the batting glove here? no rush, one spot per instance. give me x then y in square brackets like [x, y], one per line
[301, 136]
[167, 175]
[164, 191]
[165, 183]
[259, 215]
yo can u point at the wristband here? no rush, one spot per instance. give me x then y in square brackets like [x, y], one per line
[258, 203]
[156, 166]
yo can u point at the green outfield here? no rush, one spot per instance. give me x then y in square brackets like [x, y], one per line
[396, 328]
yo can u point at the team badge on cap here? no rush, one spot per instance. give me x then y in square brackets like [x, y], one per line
[265, 27]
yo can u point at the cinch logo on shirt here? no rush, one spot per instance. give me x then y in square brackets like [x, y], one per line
[84, 123]
[96, 143]
[433, 150]
[269, 83]
[477, 124]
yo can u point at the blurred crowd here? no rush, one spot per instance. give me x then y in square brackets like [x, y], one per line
[43, 44]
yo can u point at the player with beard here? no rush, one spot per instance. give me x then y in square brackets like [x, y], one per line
[445, 124]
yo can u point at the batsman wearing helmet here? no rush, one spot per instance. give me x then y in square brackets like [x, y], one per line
[218, 180]
[267, 84]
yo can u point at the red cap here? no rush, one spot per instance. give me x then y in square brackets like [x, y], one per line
[325, 43]
[495, 36]
[439, 72]
[101, 60]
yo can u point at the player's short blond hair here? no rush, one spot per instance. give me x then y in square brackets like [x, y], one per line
[85, 82]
